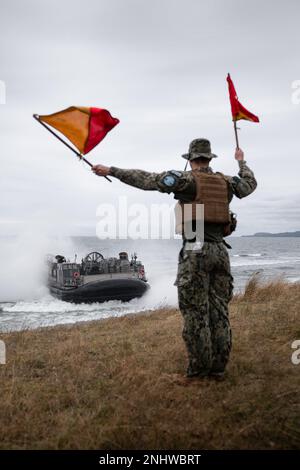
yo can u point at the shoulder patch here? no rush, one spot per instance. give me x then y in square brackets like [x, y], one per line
[169, 180]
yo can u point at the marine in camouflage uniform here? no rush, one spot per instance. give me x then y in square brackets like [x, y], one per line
[204, 278]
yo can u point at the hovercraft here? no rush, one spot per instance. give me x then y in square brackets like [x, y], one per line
[97, 279]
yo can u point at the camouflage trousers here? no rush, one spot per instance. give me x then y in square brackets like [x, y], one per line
[205, 287]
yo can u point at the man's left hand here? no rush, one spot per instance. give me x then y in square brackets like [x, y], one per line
[239, 155]
[101, 170]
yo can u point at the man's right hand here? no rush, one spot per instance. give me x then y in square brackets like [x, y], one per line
[101, 170]
[239, 155]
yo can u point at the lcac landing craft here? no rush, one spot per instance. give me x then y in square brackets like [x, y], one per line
[97, 279]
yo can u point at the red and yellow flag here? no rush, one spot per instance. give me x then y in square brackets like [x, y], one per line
[84, 127]
[237, 109]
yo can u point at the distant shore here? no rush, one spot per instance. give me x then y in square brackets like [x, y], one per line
[281, 235]
[115, 384]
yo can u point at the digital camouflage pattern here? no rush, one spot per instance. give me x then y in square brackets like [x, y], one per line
[204, 279]
[199, 148]
[205, 287]
[183, 184]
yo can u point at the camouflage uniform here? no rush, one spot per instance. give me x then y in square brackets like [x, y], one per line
[204, 279]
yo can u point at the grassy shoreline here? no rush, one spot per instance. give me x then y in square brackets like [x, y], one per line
[114, 383]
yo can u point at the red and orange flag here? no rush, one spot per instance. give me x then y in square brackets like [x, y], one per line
[237, 109]
[84, 127]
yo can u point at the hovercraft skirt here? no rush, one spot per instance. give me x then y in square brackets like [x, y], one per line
[101, 291]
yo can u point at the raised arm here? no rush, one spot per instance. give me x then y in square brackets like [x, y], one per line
[245, 183]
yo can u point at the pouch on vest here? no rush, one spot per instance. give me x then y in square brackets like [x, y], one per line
[213, 193]
[231, 226]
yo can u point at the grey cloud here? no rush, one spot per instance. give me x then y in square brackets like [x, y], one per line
[160, 67]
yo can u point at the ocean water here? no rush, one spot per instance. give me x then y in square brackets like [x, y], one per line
[25, 302]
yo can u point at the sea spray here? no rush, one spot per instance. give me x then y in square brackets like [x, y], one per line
[23, 269]
[160, 259]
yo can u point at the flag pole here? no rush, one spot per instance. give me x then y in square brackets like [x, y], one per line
[79, 155]
[236, 135]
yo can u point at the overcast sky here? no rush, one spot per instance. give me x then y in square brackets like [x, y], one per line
[159, 66]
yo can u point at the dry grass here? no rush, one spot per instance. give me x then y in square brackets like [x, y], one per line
[110, 384]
